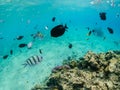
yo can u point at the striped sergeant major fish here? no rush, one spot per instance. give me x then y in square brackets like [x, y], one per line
[33, 60]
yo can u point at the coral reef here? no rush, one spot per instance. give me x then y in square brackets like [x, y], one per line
[91, 72]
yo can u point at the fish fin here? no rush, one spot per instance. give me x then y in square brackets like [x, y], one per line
[24, 65]
[66, 26]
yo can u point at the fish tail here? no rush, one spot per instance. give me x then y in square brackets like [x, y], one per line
[66, 26]
[24, 65]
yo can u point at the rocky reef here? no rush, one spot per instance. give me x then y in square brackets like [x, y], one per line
[91, 72]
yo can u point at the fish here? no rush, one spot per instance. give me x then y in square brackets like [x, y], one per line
[38, 35]
[117, 15]
[32, 35]
[22, 45]
[89, 33]
[1, 37]
[116, 43]
[87, 38]
[40, 51]
[53, 19]
[97, 31]
[102, 15]
[46, 27]
[29, 45]
[19, 37]
[70, 45]
[88, 28]
[58, 30]
[110, 30]
[5, 57]
[35, 27]
[11, 52]
[33, 60]
[104, 38]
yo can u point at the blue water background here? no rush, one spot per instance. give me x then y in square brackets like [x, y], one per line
[22, 17]
[16, 17]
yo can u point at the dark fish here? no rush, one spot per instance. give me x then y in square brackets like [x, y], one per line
[5, 57]
[36, 26]
[11, 52]
[88, 28]
[102, 15]
[40, 51]
[110, 30]
[58, 30]
[98, 32]
[87, 39]
[116, 43]
[70, 45]
[37, 35]
[33, 60]
[104, 38]
[70, 21]
[22, 45]
[19, 37]
[1, 37]
[32, 35]
[117, 15]
[53, 19]
[89, 33]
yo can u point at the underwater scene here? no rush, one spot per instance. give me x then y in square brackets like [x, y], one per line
[59, 44]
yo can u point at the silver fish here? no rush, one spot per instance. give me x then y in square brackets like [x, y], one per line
[33, 60]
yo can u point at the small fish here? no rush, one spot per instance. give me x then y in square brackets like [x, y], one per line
[29, 45]
[70, 21]
[89, 33]
[1, 37]
[22, 45]
[35, 27]
[32, 35]
[116, 43]
[102, 15]
[53, 19]
[87, 38]
[40, 51]
[104, 38]
[38, 35]
[117, 15]
[2, 21]
[88, 28]
[11, 52]
[70, 45]
[5, 57]
[19, 37]
[33, 60]
[46, 27]
[110, 30]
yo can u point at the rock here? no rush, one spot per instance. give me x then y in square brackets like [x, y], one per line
[111, 66]
[93, 72]
[59, 68]
[73, 64]
[109, 55]
[109, 85]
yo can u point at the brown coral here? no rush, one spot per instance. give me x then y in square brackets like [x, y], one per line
[93, 72]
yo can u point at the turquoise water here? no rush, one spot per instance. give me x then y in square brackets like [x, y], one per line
[22, 17]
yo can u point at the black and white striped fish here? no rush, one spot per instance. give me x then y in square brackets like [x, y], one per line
[33, 60]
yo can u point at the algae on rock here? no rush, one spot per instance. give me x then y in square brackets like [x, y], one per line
[92, 72]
